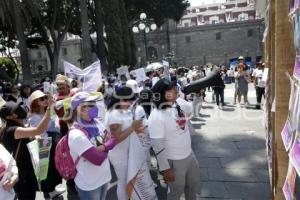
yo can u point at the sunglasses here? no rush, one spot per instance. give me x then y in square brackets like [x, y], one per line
[43, 98]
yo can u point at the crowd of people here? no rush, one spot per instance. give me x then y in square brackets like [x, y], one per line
[101, 126]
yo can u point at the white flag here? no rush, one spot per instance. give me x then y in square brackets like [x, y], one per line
[89, 79]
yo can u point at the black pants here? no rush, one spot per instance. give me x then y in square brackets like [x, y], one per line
[219, 95]
[259, 93]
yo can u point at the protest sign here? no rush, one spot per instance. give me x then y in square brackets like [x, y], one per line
[289, 184]
[140, 75]
[88, 79]
[139, 182]
[44, 153]
[166, 70]
[287, 135]
[39, 150]
[123, 72]
[295, 153]
[297, 68]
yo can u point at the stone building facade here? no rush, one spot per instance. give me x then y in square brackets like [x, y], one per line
[199, 45]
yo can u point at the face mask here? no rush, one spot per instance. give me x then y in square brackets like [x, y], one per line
[93, 112]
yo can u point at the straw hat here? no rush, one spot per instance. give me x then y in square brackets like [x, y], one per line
[35, 95]
[61, 79]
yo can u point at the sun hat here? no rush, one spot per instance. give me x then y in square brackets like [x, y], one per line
[35, 95]
[82, 97]
[61, 79]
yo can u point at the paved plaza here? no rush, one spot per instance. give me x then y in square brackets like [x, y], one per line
[230, 147]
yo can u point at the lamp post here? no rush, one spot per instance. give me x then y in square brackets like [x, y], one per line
[145, 25]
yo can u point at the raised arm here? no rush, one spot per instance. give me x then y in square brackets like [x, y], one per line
[22, 132]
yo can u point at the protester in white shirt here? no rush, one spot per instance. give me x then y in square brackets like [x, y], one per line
[90, 142]
[259, 83]
[8, 174]
[171, 141]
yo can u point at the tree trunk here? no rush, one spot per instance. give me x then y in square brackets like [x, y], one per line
[27, 76]
[86, 44]
[284, 61]
[100, 46]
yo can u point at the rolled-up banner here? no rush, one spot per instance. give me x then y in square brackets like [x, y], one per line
[213, 79]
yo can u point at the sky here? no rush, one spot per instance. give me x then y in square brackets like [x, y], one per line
[200, 2]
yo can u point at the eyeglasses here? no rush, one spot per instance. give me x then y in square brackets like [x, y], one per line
[43, 98]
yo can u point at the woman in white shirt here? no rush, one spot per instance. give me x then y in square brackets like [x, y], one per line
[119, 119]
[89, 144]
[171, 141]
[8, 174]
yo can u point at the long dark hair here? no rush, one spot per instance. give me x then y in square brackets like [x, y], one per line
[122, 93]
[159, 93]
[22, 94]
[145, 101]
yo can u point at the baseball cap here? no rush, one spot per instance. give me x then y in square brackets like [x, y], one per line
[81, 97]
[133, 85]
[241, 58]
[10, 108]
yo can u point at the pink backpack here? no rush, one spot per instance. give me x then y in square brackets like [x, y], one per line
[63, 160]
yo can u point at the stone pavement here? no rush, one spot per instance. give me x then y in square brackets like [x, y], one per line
[230, 147]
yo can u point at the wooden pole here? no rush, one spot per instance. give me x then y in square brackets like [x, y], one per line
[284, 61]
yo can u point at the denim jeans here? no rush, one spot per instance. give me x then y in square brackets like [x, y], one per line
[97, 194]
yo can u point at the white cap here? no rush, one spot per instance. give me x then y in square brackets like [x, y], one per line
[133, 85]
[241, 58]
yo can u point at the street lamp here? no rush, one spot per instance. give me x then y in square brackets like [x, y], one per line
[145, 25]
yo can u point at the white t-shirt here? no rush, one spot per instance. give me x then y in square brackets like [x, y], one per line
[258, 74]
[8, 161]
[163, 124]
[53, 124]
[120, 152]
[89, 176]
[144, 138]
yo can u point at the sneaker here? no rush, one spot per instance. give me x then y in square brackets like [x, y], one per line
[57, 192]
[257, 107]
[221, 107]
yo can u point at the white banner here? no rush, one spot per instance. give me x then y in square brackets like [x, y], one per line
[123, 71]
[139, 182]
[140, 75]
[89, 79]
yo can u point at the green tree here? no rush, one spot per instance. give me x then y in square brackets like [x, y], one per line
[50, 21]
[159, 10]
[7, 65]
[113, 29]
[85, 33]
[13, 27]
